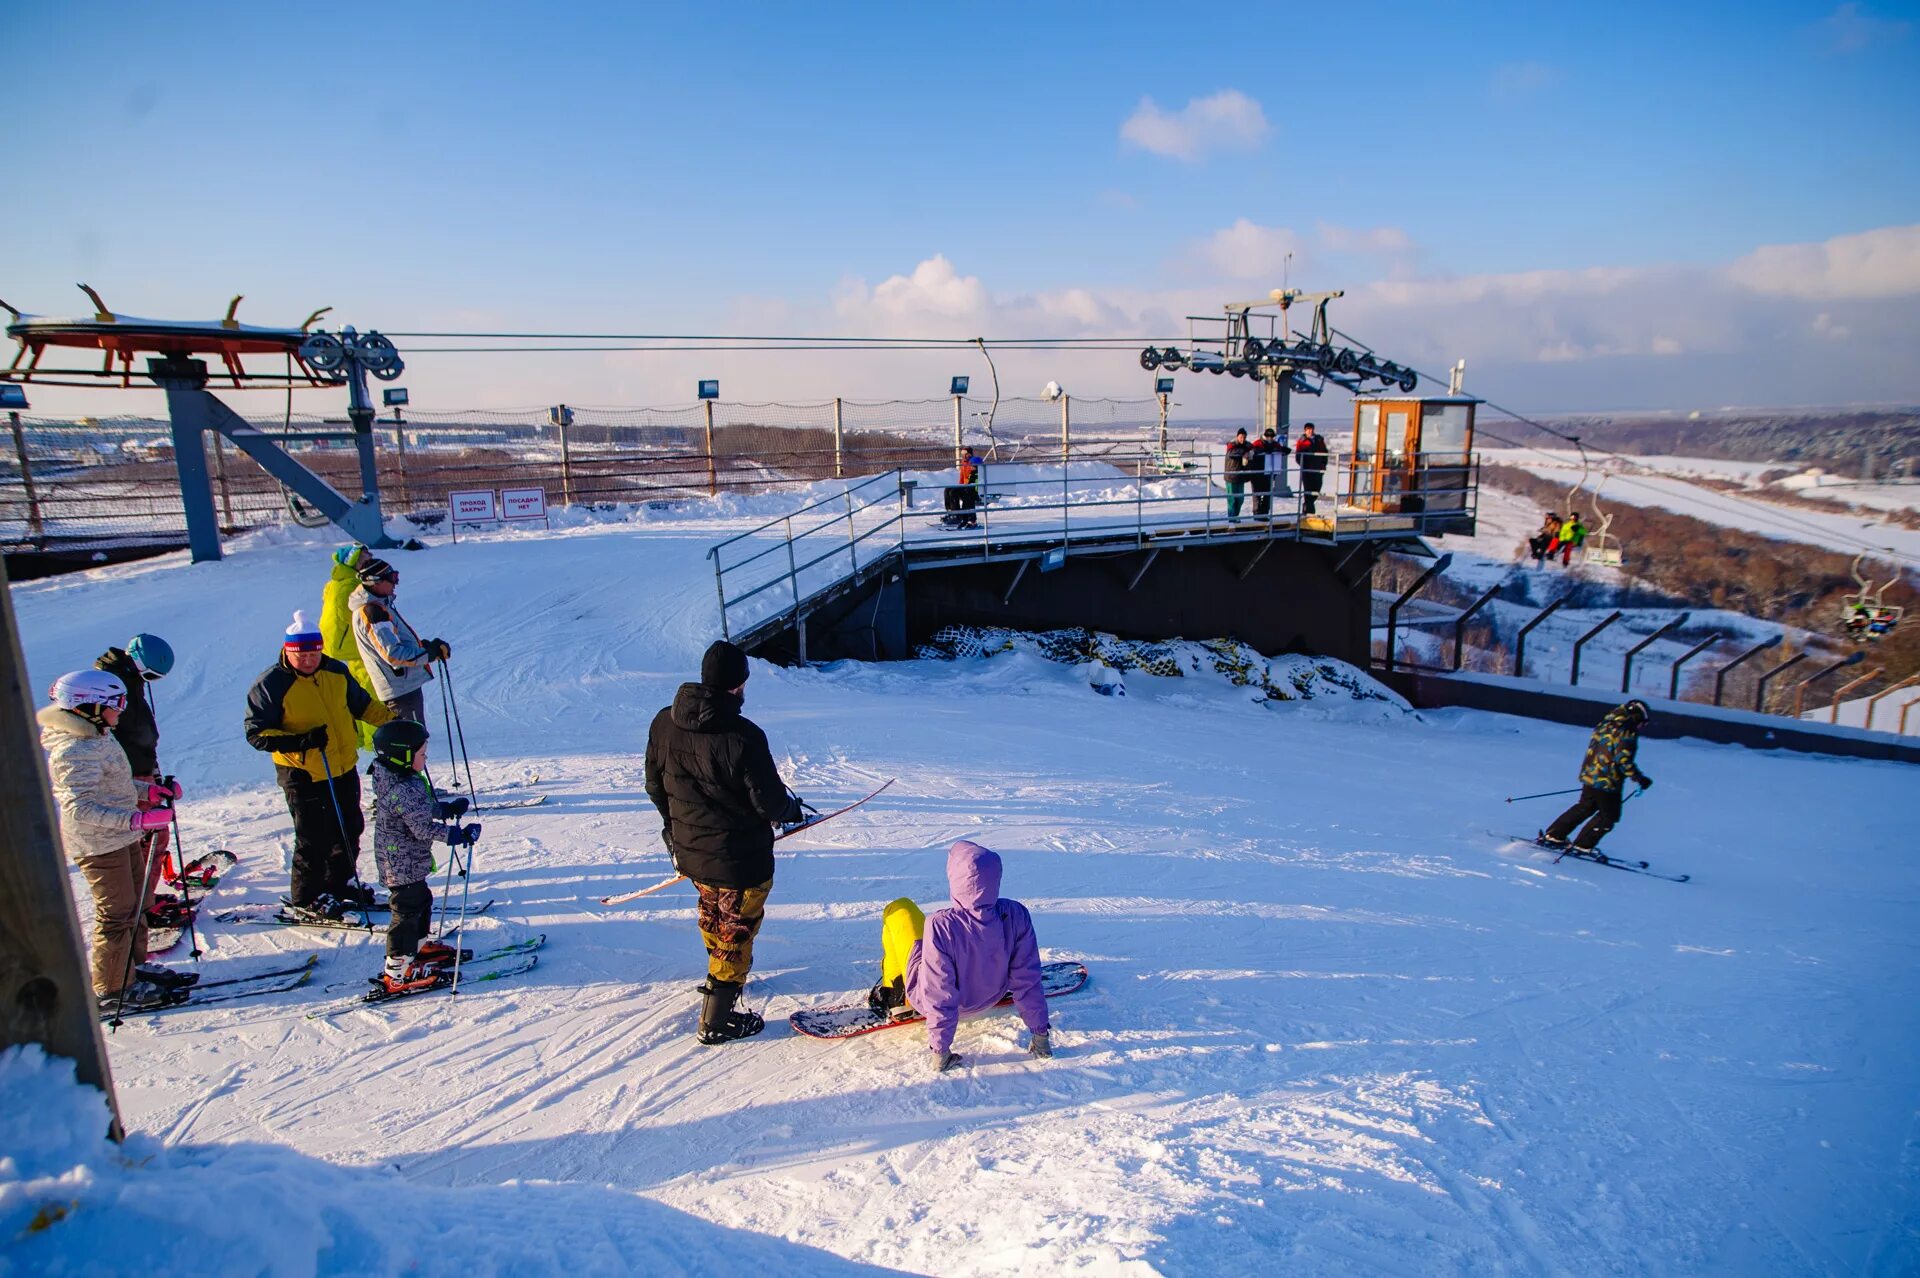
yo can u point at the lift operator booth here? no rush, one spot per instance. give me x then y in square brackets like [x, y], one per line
[1413, 456]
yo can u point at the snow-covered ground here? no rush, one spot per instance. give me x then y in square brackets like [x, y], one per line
[1334, 1025]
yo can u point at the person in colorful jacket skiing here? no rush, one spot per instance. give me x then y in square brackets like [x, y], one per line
[397, 661]
[1604, 773]
[104, 816]
[965, 958]
[407, 821]
[711, 774]
[304, 711]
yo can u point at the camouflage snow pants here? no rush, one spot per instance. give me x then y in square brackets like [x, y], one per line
[729, 920]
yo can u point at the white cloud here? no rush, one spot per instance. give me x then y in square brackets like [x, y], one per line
[1851, 28]
[1380, 241]
[934, 291]
[1879, 263]
[1227, 120]
[1824, 325]
[1522, 79]
[1248, 251]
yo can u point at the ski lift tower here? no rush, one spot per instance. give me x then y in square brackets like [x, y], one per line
[312, 358]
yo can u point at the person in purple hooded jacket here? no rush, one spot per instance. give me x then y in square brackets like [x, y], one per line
[965, 958]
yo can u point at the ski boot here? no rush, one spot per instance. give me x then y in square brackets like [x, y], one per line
[439, 954]
[1591, 854]
[719, 1022]
[403, 975]
[165, 977]
[141, 996]
[357, 896]
[326, 907]
[1550, 843]
[889, 999]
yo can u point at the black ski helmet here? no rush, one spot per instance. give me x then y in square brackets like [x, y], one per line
[398, 741]
[1638, 709]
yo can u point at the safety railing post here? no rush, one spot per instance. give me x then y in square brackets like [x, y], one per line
[1460, 623]
[713, 471]
[1393, 611]
[34, 526]
[1760, 687]
[839, 461]
[1520, 640]
[1840, 693]
[1800, 689]
[793, 573]
[1066, 428]
[1720, 675]
[853, 555]
[1626, 664]
[1873, 702]
[720, 588]
[1581, 642]
[566, 450]
[1673, 674]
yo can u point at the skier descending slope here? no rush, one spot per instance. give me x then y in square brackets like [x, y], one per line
[406, 822]
[712, 777]
[1603, 774]
[964, 959]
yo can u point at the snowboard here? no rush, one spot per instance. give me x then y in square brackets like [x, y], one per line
[850, 1020]
[200, 875]
[203, 872]
[623, 897]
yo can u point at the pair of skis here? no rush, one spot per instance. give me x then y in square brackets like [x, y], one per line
[357, 918]
[623, 897]
[489, 965]
[205, 993]
[1564, 850]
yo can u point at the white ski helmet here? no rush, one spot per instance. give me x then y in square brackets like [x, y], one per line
[80, 688]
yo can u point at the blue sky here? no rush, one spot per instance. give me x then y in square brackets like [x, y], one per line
[1571, 200]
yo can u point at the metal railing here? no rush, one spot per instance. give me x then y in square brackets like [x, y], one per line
[1015, 511]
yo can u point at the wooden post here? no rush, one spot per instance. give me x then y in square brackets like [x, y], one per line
[566, 454]
[713, 475]
[1066, 430]
[839, 468]
[400, 448]
[959, 445]
[1163, 421]
[220, 477]
[26, 480]
[46, 994]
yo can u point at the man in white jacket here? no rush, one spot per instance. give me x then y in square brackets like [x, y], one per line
[398, 661]
[104, 816]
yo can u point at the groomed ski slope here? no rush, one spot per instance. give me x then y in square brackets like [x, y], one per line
[1333, 1026]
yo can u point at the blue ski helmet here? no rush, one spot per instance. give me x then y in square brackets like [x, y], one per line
[152, 654]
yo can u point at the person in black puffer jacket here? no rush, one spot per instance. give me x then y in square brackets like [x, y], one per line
[712, 776]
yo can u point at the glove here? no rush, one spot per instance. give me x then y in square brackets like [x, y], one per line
[1646, 783]
[438, 650]
[172, 785]
[451, 808]
[465, 834]
[151, 819]
[1041, 1045]
[311, 739]
[163, 793]
[943, 1061]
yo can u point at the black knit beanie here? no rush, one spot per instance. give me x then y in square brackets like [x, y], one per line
[724, 666]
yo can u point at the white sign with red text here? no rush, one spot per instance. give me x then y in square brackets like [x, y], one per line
[523, 503]
[475, 507]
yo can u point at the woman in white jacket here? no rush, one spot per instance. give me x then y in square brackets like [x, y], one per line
[103, 815]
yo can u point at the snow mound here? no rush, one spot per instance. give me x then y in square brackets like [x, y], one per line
[72, 1202]
[1103, 659]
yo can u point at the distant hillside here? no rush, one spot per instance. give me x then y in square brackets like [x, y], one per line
[1842, 441]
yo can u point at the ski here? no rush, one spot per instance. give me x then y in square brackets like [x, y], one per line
[495, 955]
[496, 805]
[356, 919]
[1562, 851]
[623, 897]
[274, 982]
[203, 872]
[508, 960]
[851, 1020]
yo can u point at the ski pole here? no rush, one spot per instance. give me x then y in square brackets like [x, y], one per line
[340, 822]
[186, 888]
[139, 905]
[460, 731]
[453, 851]
[1545, 794]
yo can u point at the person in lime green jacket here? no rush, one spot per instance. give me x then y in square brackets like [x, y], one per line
[336, 622]
[1572, 533]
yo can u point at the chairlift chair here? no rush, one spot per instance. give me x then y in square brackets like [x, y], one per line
[1864, 616]
[1601, 549]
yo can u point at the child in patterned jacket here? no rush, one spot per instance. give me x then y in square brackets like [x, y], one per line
[407, 821]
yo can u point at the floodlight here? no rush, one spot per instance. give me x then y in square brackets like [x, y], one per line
[958, 386]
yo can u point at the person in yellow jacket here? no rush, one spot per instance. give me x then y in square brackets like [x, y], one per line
[305, 711]
[336, 620]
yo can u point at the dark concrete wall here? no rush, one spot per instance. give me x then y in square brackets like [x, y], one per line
[1559, 703]
[1291, 601]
